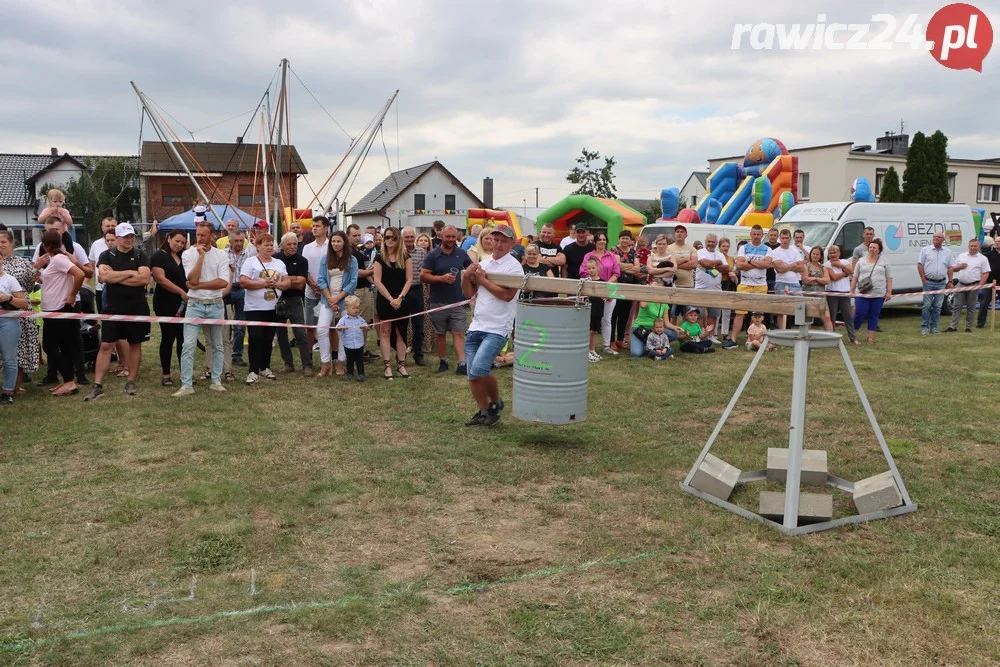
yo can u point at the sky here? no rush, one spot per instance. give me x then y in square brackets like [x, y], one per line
[512, 90]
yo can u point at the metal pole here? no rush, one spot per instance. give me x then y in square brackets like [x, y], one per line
[173, 150]
[796, 431]
[263, 170]
[993, 317]
[276, 213]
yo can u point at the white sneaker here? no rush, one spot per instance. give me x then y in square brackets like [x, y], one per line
[715, 341]
[608, 350]
[266, 373]
[252, 378]
[593, 357]
[217, 386]
[183, 391]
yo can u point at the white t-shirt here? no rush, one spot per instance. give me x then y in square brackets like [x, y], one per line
[214, 266]
[804, 251]
[493, 315]
[977, 266]
[96, 248]
[844, 284]
[702, 278]
[788, 255]
[314, 254]
[78, 252]
[8, 285]
[264, 298]
[567, 240]
[753, 277]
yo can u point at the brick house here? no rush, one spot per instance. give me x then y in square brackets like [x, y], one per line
[226, 172]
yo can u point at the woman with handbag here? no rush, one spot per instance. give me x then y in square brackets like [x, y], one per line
[871, 285]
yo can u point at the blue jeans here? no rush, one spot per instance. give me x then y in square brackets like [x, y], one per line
[931, 311]
[214, 335]
[236, 299]
[481, 350]
[868, 309]
[10, 335]
[637, 346]
[781, 286]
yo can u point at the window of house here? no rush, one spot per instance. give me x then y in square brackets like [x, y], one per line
[248, 197]
[694, 201]
[803, 185]
[951, 185]
[989, 193]
[449, 203]
[879, 180]
[420, 202]
[175, 194]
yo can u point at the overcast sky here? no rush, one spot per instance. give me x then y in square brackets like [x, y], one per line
[511, 90]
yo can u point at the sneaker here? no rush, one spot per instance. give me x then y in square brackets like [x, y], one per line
[968, 330]
[183, 391]
[419, 361]
[924, 332]
[289, 368]
[492, 415]
[730, 344]
[442, 366]
[350, 377]
[252, 378]
[315, 347]
[217, 386]
[267, 374]
[361, 378]
[240, 362]
[949, 330]
[96, 392]
[131, 388]
[477, 419]
[460, 368]
[500, 405]
[715, 341]
[308, 372]
[935, 332]
[608, 350]
[749, 347]
[82, 380]
[6, 399]
[980, 326]
[593, 357]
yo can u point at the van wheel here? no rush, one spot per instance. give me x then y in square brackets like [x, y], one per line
[948, 305]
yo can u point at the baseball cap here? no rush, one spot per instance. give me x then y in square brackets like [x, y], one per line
[260, 224]
[676, 227]
[199, 212]
[692, 309]
[756, 313]
[582, 227]
[504, 229]
[367, 238]
[124, 229]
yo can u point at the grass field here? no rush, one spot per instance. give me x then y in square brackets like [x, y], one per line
[313, 522]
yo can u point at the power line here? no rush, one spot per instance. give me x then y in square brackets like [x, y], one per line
[346, 133]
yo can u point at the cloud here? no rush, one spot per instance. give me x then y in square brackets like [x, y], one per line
[512, 90]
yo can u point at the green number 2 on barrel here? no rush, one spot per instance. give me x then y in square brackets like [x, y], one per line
[543, 335]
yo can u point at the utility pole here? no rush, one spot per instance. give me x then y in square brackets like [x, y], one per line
[536, 197]
[276, 212]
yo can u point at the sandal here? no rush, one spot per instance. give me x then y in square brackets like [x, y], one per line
[401, 367]
[167, 381]
[121, 371]
[388, 369]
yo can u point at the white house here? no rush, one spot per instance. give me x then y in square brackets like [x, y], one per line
[416, 196]
[694, 188]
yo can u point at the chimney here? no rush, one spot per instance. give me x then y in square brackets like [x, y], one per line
[893, 144]
[488, 192]
[55, 152]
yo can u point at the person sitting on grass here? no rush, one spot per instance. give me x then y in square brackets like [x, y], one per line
[693, 338]
[657, 342]
[757, 332]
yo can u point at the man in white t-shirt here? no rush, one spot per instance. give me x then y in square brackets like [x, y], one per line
[788, 269]
[96, 248]
[491, 324]
[208, 275]
[753, 260]
[799, 242]
[569, 238]
[972, 270]
[712, 268]
[314, 252]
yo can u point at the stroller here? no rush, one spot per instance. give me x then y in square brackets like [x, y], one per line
[90, 330]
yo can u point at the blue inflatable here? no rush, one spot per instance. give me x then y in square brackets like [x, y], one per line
[670, 201]
[862, 190]
[713, 207]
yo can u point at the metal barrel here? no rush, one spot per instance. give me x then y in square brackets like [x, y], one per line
[551, 341]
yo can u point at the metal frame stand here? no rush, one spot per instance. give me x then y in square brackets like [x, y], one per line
[802, 340]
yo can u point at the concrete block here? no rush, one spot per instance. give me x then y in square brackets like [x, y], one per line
[814, 470]
[877, 493]
[813, 507]
[716, 477]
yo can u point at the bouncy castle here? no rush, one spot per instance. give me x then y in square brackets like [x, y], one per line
[757, 192]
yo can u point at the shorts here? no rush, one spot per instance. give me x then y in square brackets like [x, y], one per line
[481, 349]
[443, 321]
[367, 297]
[133, 332]
[750, 289]
[781, 286]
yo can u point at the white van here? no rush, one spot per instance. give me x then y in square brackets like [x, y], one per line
[903, 228]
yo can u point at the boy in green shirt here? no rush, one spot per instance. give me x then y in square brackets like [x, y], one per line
[692, 334]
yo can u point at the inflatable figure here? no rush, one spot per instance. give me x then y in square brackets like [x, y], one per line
[670, 199]
[861, 190]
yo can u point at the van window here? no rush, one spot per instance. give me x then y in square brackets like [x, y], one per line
[652, 233]
[850, 237]
[817, 233]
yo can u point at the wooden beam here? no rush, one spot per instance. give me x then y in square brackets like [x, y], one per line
[765, 303]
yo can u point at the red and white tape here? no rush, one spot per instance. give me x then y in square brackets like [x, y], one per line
[947, 290]
[56, 315]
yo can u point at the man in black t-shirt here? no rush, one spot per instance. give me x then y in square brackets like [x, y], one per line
[576, 251]
[124, 270]
[293, 299]
[550, 250]
[442, 270]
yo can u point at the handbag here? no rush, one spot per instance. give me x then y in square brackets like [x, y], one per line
[865, 285]
[281, 309]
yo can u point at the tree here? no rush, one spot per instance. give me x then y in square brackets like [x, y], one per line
[890, 187]
[653, 212]
[925, 180]
[108, 187]
[593, 181]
